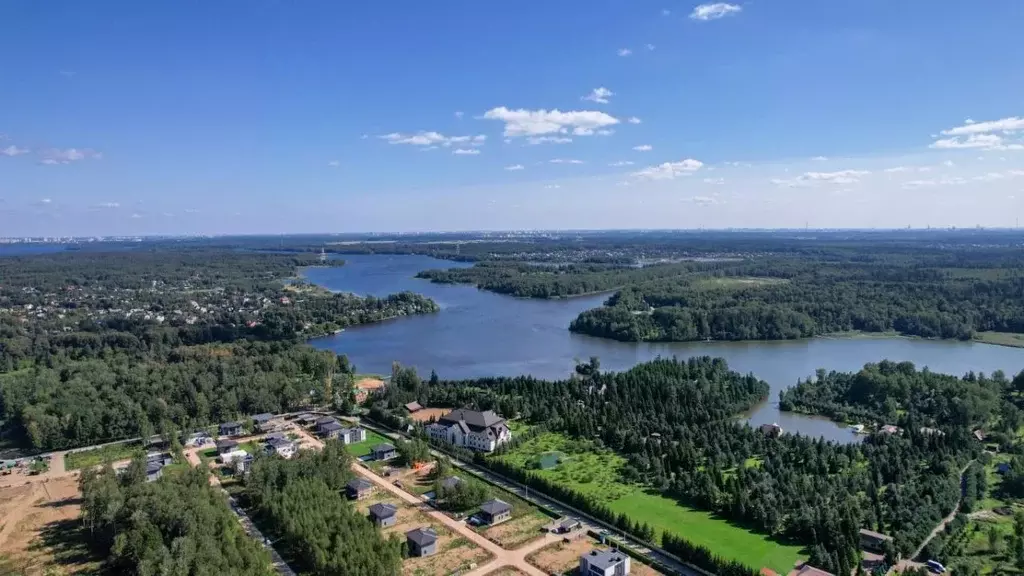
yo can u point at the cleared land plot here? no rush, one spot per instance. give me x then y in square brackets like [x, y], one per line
[595, 473]
[87, 458]
[563, 557]
[363, 448]
[728, 283]
[428, 414]
[454, 552]
[519, 531]
[507, 571]
[40, 531]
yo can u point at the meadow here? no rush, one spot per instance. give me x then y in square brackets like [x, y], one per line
[595, 472]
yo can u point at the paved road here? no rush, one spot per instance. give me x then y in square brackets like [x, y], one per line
[558, 507]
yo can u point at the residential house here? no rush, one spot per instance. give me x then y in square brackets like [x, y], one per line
[359, 488]
[413, 407]
[198, 439]
[495, 511]
[260, 421]
[482, 431]
[233, 456]
[771, 430]
[330, 429]
[225, 446]
[321, 422]
[889, 429]
[566, 525]
[979, 434]
[306, 419]
[230, 429]
[281, 446]
[604, 563]
[873, 541]
[154, 470]
[353, 435]
[422, 542]
[383, 515]
[243, 464]
[383, 452]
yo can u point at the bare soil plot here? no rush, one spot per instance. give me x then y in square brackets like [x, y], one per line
[454, 552]
[517, 532]
[507, 571]
[40, 531]
[428, 414]
[562, 557]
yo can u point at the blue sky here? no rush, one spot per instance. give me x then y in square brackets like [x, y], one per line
[247, 116]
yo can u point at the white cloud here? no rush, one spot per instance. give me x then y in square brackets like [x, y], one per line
[621, 163]
[334, 163]
[523, 122]
[604, 132]
[459, 114]
[13, 150]
[706, 12]
[643, 148]
[896, 169]
[515, 167]
[670, 170]
[820, 158]
[814, 178]
[599, 95]
[431, 139]
[633, 120]
[46, 201]
[465, 151]
[552, 187]
[534, 140]
[650, 46]
[57, 156]
[990, 135]
[703, 200]
[624, 52]
[714, 180]
[136, 215]
[565, 161]
[943, 181]
[108, 205]
[666, 12]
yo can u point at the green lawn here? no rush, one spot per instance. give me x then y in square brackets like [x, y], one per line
[113, 453]
[363, 448]
[595, 472]
[733, 283]
[1000, 339]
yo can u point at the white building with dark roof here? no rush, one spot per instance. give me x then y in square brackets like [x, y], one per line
[604, 563]
[482, 431]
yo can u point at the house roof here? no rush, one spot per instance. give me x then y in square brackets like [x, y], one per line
[495, 507]
[422, 536]
[278, 443]
[385, 447]
[451, 482]
[605, 559]
[359, 484]
[808, 570]
[413, 406]
[475, 420]
[153, 467]
[325, 420]
[226, 444]
[275, 435]
[264, 417]
[331, 426]
[874, 535]
[382, 511]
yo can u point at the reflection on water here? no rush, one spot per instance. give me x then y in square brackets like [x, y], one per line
[479, 333]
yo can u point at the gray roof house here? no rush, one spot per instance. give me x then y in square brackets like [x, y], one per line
[383, 451]
[422, 541]
[321, 422]
[330, 429]
[154, 470]
[604, 563]
[225, 446]
[358, 488]
[494, 511]
[261, 420]
[230, 429]
[383, 514]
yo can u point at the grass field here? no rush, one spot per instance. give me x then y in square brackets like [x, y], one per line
[1000, 339]
[87, 458]
[731, 283]
[363, 448]
[595, 472]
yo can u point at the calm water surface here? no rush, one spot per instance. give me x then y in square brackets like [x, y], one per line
[479, 333]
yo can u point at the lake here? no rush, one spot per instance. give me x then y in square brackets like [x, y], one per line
[480, 333]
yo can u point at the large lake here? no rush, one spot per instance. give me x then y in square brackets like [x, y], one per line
[479, 333]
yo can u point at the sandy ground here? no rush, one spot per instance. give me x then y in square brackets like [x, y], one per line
[507, 571]
[426, 414]
[36, 526]
[518, 531]
[563, 557]
[454, 551]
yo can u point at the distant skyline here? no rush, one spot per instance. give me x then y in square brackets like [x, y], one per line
[264, 116]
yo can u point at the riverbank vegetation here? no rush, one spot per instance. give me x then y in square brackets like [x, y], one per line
[100, 346]
[656, 448]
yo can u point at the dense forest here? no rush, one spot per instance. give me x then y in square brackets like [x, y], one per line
[672, 420]
[178, 525]
[103, 346]
[303, 498]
